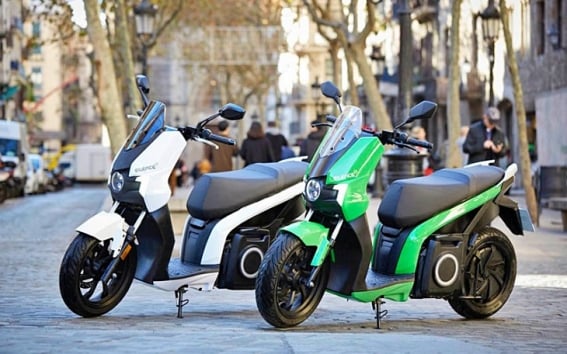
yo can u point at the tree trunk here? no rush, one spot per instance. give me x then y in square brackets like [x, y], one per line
[108, 93]
[525, 164]
[453, 101]
[373, 95]
[354, 99]
[354, 43]
[123, 46]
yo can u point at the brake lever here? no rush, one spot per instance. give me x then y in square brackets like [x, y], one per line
[206, 142]
[407, 146]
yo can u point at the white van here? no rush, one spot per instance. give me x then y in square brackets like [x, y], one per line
[14, 149]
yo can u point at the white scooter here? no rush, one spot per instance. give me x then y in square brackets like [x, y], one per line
[233, 219]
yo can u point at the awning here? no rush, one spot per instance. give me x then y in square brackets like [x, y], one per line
[9, 92]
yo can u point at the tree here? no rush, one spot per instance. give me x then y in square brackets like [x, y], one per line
[353, 42]
[525, 164]
[453, 101]
[108, 93]
[123, 60]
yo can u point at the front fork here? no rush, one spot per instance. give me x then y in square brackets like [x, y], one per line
[129, 240]
[322, 253]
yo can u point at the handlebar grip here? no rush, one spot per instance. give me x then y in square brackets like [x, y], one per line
[330, 118]
[207, 134]
[421, 143]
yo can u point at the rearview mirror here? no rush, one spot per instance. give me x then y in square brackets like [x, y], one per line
[422, 110]
[330, 90]
[143, 83]
[232, 111]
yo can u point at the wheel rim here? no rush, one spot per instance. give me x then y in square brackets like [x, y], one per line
[487, 275]
[92, 289]
[293, 295]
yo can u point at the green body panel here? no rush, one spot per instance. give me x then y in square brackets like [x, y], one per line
[397, 292]
[353, 170]
[407, 263]
[311, 234]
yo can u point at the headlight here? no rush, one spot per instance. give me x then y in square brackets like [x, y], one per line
[313, 190]
[116, 182]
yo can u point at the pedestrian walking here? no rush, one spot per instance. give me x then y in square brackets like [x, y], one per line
[310, 144]
[485, 140]
[221, 158]
[277, 140]
[256, 147]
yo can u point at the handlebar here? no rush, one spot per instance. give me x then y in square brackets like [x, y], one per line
[203, 134]
[396, 137]
[402, 139]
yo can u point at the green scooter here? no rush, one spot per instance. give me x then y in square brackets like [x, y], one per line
[434, 238]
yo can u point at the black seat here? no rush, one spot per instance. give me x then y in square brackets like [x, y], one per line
[408, 202]
[221, 193]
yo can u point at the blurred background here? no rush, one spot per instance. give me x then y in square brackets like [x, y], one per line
[68, 67]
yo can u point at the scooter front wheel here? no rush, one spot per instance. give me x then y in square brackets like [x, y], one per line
[80, 275]
[489, 275]
[282, 296]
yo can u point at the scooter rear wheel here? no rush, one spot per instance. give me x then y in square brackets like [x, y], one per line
[282, 296]
[82, 267]
[489, 275]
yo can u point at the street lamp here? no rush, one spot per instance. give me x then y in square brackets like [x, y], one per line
[490, 29]
[316, 96]
[378, 60]
[145, 14]
[379, 64]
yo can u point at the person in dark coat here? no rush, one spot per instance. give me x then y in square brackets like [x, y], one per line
[485, 140]
[221, 158]
[310, 144]
[256, 147]
[277, 140]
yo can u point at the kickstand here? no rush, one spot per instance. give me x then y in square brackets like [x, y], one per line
[379, 313]
[180, 302]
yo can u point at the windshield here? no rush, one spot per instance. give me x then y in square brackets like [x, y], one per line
[8, 147]
[346, 128]
[151, 122]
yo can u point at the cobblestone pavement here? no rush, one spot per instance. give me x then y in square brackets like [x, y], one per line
[36, 230]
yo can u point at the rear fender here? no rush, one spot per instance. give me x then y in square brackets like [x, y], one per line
[106, 226]
[516, 219]
[311, 234]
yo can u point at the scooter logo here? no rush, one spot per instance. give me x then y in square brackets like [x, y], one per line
[349, 175]
[146, 168]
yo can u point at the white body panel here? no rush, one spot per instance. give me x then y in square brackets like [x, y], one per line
[215, 244]
[200, 282]
[105, 226]
[154, 166]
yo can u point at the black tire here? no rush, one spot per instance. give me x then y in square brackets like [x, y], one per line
[282, 297]
[82, 267]
[489, 272]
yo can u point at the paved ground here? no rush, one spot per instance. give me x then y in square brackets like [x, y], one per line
[35, 232]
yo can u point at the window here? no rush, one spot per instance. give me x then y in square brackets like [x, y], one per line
[540, 27]
[37, 80]
[36, 29]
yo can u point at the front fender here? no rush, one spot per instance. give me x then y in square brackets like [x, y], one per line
[106, 226]
[313, 235]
